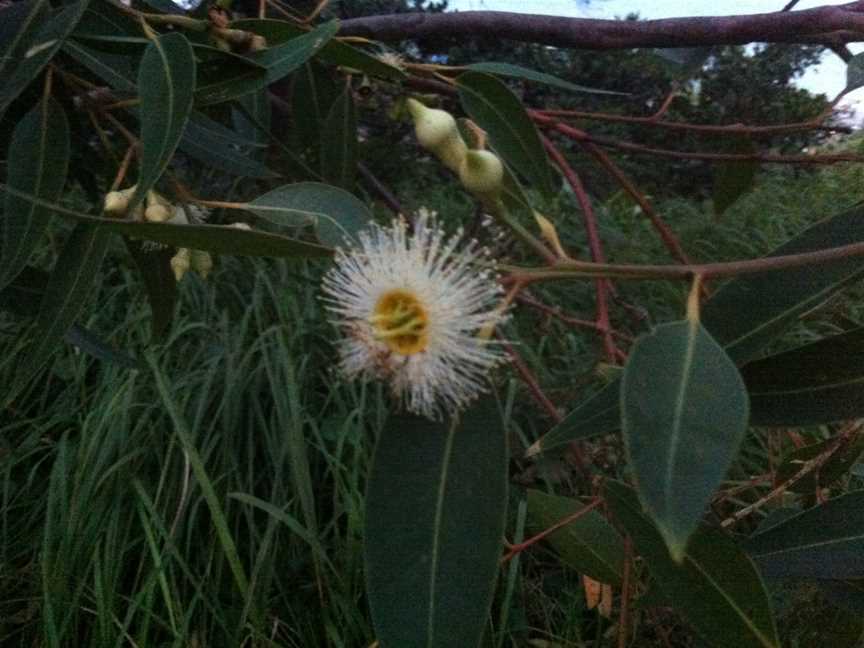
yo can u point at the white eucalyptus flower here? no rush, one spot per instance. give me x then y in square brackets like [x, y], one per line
[411, 306]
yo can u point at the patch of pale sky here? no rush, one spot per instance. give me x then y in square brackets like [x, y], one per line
[829, 77]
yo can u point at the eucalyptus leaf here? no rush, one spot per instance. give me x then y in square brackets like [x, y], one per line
[589, 544]
[826, 541]
[519, 72]
[817, 383]
[684, 417]
[435, 510]
[40, 143]
[33, 51]
[512, 134]
[279, 31]
[223, 239]
[716, 587]
[855, 72]
[166, 84]
[335, 214]
[65, 296]
[339, 142]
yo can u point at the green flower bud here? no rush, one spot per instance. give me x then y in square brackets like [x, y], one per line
[202, 263]
[482, 173]
[437, 132]
[180, 263]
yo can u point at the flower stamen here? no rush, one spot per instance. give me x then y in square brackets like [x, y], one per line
[400, 322]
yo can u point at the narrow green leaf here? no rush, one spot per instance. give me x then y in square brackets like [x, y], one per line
[213, 238]
[314, 91]
[336, 214]
[226, 77]
[519, 72]
[855, 72]
[589, 544]
[747, 313]
[217, 146]
[826, 541]
[39, 160]
[339, 142]
[20, 23]
[435, 509]
[160, 286]
[166, 84]
[116, 70]
[600, 414]
[513, 135]
[715, 587]
[40, 49]
[252, 119]
[817, 383]
[279, 31]
[65, 294]
[684, 416]
[282, 60]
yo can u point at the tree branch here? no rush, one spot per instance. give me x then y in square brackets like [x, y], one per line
[827, 25]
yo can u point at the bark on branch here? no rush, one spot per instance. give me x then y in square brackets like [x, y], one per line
[827, 25]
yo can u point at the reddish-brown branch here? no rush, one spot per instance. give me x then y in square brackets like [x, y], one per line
[594, 244]
[381, 189]
[827, 25]
[666, 235]
[708, 129]
[567, 319]
[522, 546]
[578, 135]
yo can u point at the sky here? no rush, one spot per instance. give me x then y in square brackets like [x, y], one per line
[829, 77]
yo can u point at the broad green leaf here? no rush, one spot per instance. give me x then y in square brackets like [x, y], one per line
[222, 239]
[817, 383]
[826, 541]
[166, 84]
[435, 509]
[715, 587]
[160, 286]
[735, 178]
[589, 544]
[39, 160]
[512, 134]
[283, 59]
[684, 416]
[600, 414]
[855, 72]
[64, 299]
[519, 72]
[217, 146]
[339, 142]
[34, 52]
[335, 214]
[278, 31]
[747, 313]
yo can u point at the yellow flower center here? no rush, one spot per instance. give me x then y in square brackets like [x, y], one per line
[401, 322]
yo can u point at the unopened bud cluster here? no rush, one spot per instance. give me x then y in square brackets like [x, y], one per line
[481, 172]
[157, 209]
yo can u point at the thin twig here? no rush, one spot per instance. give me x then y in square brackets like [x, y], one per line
[522, 546]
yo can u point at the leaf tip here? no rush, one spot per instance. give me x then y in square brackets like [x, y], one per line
[534, 449]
